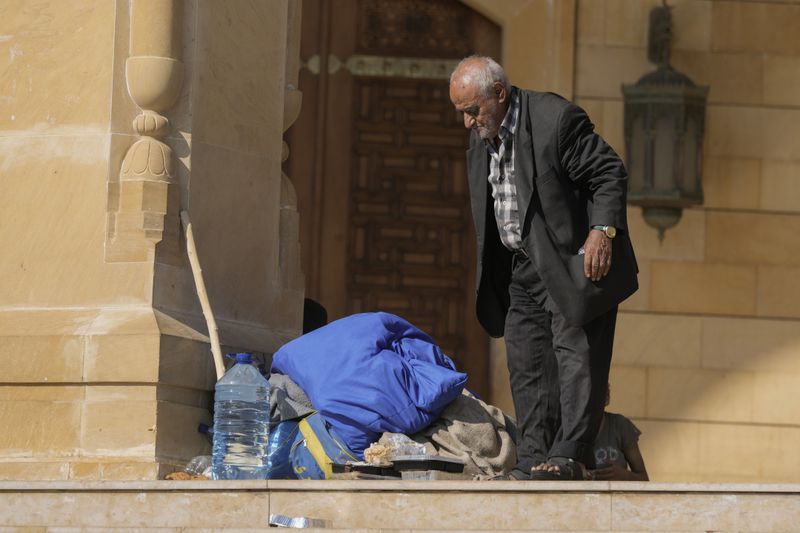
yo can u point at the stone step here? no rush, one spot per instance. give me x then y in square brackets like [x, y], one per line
[399, 506]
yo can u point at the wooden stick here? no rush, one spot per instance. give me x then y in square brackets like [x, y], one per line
[197, 272]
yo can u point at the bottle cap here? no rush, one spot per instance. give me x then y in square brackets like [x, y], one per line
[244, 358]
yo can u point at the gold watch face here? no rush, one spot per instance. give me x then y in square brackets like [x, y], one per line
[611, 232]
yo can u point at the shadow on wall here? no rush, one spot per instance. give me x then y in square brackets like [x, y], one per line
[728, 416]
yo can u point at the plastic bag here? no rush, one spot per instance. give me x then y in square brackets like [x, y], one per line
[401, 445]
[199, 466]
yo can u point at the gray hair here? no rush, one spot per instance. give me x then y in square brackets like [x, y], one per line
[483, 71]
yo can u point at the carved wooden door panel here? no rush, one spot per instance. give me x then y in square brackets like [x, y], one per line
[377, 157]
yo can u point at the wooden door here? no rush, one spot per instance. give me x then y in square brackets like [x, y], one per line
[377, 158]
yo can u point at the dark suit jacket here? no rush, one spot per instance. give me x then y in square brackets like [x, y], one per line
[568, 179]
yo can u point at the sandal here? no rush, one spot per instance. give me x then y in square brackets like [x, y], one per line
[568, 470]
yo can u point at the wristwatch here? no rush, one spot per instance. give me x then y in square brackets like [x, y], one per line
[609, 231]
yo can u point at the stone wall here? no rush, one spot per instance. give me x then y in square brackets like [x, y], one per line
[706, 353]
[706, 357]
[114, 116]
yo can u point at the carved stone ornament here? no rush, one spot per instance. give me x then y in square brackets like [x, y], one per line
[138, 201]
[289, 252]
[148, 159]
[151, 124]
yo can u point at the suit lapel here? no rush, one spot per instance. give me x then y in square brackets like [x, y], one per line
[523, 164]
[478, 171]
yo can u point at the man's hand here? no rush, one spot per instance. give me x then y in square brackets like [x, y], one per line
[597, 258]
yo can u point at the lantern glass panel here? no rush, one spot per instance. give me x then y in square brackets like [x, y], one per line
[689, 158]
[663, 155]
[636, 155]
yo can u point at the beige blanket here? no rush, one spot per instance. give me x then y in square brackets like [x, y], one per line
[475, 432]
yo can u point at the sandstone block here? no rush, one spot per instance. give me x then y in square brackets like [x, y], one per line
[118, 428]
[49, 270]
[732, 78]
[734, 132]
[34, 471]
[628, 390]
[85, 471]
[780, 185]
[40, 428]
[46, 358]
[722, 448]
[230, 107]
[684, 242]
[600, 70]
[32, 70]
[775, 398]
[613, 126]
[129, 358]
[130, 470]
[741, 26]
[650, 340]
[703, 288]
[763, 238]
[692, 25]
[778, 292]
[591, 22]
[670, 449]
[751, 344]
[178, 437]
[781, 79]
[189, 364]
[699, 394]
[640, 300]
[626, 22]
[37, 393]
[706, 512]
[732, 183]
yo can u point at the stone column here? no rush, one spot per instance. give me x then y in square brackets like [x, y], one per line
[114, 116]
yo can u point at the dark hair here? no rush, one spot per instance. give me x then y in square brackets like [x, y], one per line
[314, 315]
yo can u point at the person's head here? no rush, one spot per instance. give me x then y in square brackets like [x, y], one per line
[314, 315]
[480, 90]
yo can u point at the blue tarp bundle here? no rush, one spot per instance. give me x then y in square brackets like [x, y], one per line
[370, 373]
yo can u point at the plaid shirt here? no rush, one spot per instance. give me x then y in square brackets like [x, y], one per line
[501, 176]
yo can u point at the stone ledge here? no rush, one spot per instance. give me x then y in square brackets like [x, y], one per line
[402, 505]
[401, 486]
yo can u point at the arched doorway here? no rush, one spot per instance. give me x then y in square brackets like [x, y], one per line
[377, 158]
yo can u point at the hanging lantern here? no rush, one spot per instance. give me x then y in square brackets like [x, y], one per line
[664, 126]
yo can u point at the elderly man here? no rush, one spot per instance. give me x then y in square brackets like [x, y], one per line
[554, 259]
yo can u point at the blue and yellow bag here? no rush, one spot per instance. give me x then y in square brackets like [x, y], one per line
[281, 439]
[316, 448]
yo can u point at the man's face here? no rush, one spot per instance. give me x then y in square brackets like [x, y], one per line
[482, 113]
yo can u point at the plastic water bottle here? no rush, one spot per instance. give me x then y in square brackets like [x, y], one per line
[241, 423]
